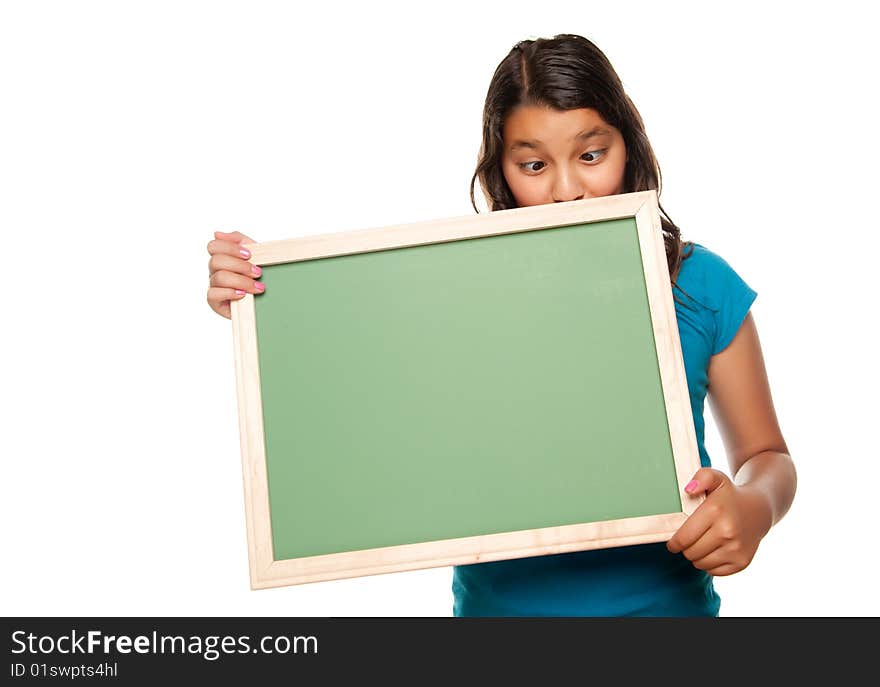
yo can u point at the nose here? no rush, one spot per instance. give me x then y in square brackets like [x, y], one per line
[567, 187]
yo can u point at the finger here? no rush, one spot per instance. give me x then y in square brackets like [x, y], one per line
[706, 479]
[219, 299]
[233, 280]
[705, 545]
[222, 308]
[230, 263]
[222, 247]
[693, 528]
[722, 570]
[234, 236]
[714, 560]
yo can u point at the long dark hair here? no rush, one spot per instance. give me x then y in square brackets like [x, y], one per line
[567, 72]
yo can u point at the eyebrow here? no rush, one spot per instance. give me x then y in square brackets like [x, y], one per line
[582, 136]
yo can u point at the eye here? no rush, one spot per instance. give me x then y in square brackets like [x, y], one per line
[592, 157]
[525, 165]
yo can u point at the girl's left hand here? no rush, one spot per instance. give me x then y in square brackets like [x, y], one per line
[722, 535]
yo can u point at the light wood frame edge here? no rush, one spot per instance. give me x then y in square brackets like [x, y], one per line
[448, 229]
[670, 360]
[467, 550]
[265, 572]
[258, 519]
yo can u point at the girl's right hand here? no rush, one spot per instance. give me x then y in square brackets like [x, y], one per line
[231, 275]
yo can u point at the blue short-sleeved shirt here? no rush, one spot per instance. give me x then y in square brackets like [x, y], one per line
[645, 579]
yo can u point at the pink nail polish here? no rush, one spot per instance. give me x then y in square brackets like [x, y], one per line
[691, 486]
[256, 270]
[260, 286]
[239, 292]
[245, 253]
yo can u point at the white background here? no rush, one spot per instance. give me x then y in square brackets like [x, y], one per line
[130, 131]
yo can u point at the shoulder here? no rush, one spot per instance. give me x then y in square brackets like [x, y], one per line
[707, 282]
[708, 278]
[702, 261]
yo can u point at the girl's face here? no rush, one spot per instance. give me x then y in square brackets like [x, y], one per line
[557, 155]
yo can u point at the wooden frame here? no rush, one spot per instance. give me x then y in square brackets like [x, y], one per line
[266, 572]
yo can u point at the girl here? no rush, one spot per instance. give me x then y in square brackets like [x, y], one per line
[558, 126]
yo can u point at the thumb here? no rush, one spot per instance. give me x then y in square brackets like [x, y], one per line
[235, 236]
[705, 479]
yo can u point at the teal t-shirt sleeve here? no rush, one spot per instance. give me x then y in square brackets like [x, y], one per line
[733, 297]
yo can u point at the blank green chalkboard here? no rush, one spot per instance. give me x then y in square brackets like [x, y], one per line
[462, 390]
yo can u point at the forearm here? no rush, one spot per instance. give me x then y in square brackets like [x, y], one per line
[772, 474]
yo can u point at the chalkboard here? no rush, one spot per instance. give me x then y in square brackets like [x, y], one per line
[461, 390]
